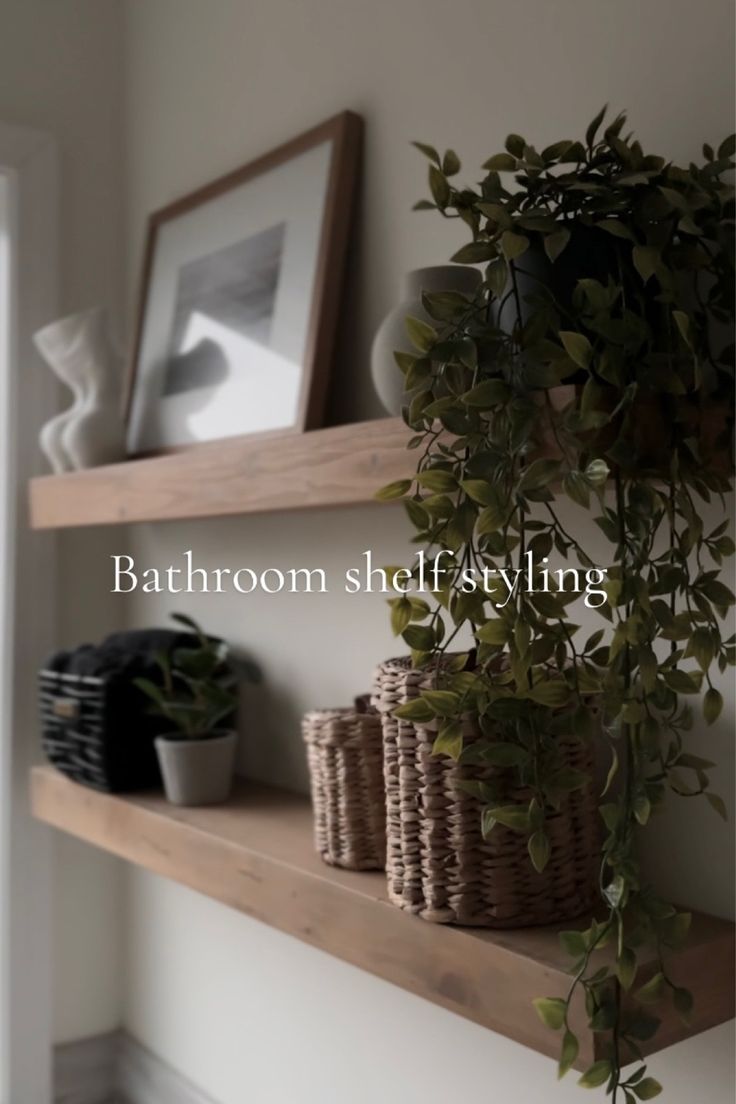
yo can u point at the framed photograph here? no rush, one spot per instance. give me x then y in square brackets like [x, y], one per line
[240, 297]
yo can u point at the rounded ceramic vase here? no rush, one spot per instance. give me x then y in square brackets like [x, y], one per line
[197, 772]
[392, 336]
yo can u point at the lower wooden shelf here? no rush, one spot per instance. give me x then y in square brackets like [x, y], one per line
[255, 854]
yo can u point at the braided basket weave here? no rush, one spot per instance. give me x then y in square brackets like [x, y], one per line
[345, 757]
[439, 865]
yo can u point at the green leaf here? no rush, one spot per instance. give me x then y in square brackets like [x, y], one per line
[449, 741]
[417, 711]
[515, 144]
[497, 213]
[612, 772]
[539, 849]
[490, 520]
[573, 943]
[648, 668]
[551, 1011]
[497, 275]
[154, 692]
[400, 615]
[645, 260]
[552, 693]
[475, 252]
[647, 1089]
[512, 816]
[556, 150]
[513, 245]
[494, 631]
[577, 347]
[592, 128]
[500, 162]
[681, 682]
[597, 473]
[443, 703]
[596, 1074]
[615, 891]
[568, 1053]
[428, 151]
[555, 243]
[626, 968]
[419, 637]
[503, 754]
[397, 489]
[682, 321]
[437, 480]
[717, 803]
[617, 228]
[422, 335]
[450, 163]
[717, 592]
[652, 991]
[538, 474]
[185, 619]
[480, 491]
[439, 186]
[576, 487]
[727, 147]
[487, 394]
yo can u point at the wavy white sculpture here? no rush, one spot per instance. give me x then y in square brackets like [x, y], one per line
[79, 350]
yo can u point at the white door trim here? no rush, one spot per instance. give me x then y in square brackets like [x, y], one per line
[28, 248]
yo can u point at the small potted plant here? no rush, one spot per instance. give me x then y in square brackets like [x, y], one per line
[198, 700]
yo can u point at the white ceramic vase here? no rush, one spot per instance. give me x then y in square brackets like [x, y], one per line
[79, 350]
[392, 337]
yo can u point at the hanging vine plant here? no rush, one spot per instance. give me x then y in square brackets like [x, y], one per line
[591, 362]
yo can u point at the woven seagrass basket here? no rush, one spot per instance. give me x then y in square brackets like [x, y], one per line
[438, 864]
[345, 757]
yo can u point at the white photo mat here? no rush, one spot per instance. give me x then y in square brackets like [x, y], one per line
[230, 375]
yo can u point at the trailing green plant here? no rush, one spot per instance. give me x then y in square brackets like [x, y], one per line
[198, 690]
[594, 358]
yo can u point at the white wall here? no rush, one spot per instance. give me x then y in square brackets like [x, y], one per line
[60, 72]
[243, 1011]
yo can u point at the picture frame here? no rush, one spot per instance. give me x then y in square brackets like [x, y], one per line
[240, 297]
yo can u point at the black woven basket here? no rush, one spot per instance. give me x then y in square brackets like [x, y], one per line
[83, 738]
[96, 727]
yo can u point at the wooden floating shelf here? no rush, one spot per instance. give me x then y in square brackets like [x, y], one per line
[256, 855]
[340, 466]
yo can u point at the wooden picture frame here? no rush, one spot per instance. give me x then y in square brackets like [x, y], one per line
[344, 133]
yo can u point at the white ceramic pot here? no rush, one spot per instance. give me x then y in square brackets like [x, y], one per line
[197, 772]
[392, 337]
[79, 350]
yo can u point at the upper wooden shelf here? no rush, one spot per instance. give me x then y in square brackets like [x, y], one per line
[341, 466]
[256, 855]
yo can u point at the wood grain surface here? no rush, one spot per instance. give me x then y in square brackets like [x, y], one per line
[340, 466]
[256, 854]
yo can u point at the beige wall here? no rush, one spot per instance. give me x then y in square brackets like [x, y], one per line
[243, 1011]
[60, 72]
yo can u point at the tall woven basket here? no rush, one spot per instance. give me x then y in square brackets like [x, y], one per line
[438, 864]
[345, 758]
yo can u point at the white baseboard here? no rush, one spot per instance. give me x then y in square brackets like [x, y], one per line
[116, 1069]
[142, 1078]
[84, 1071]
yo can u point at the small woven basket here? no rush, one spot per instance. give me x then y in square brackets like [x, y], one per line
[439, 865]
[345, 757]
